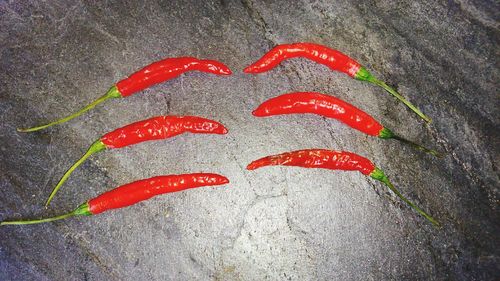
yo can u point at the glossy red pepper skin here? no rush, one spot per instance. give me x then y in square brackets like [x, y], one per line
[156, 128]
[334, 160]
[317, 158]
[133, 193]
[160, 127]
[154, 73]
[323, 105]
[141, 190]
[331, 107]
[334, 59]
[167, 69]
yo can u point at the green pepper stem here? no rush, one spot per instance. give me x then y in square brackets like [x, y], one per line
[112, 93]
[419, 147]
[388, 134]
[379, 175]
[365, 75]
[82, 210]
[95, 147]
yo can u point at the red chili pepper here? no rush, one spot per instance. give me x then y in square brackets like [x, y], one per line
[334, 59]
[152, 74]
[156, 128]
[333, 160]
[331, 107]
[132, 193]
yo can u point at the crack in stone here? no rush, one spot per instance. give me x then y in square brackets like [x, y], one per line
[257, 199]
[492, 193]
[168, 100]
[61, 22]
[242, 168]
[332, 134]
[101, 30]
[292, 226]
[79, 240]
[477, 14]
[256, 17]
[455, 157]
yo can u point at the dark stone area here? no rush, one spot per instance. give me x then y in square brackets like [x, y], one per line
[274, 223]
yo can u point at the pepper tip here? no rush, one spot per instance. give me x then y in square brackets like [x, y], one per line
[251, 166]
[258, 113]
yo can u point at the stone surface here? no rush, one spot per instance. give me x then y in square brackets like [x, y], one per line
[274, 223]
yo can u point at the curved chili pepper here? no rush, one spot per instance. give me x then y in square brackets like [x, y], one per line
[156, 128]
[331, 107]
[150, 75]
[334, 59]
[333, 160]
[132, 193]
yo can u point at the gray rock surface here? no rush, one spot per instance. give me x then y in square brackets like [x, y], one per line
[274, 223]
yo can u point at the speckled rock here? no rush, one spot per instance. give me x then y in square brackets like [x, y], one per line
[271, 224]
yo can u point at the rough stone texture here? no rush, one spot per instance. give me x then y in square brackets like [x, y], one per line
[274, 223]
